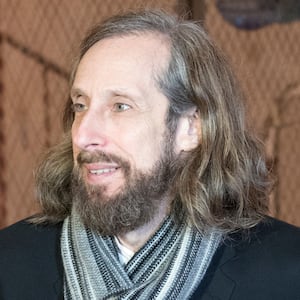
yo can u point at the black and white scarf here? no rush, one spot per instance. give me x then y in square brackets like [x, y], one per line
[170, 265]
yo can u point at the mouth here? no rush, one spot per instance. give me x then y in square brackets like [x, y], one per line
[102, 170]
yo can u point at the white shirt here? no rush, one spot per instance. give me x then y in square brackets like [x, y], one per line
[124, 253]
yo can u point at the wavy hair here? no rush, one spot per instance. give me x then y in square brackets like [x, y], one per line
[224, 181]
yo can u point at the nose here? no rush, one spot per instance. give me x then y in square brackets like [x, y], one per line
[88, 131]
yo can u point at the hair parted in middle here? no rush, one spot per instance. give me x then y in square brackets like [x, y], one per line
[224, 181]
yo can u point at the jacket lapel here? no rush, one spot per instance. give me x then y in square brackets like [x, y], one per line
[58, 275]
[58, 289]
[217, 285]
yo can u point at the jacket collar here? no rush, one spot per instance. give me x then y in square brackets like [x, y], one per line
[57, 283]
[217, 284]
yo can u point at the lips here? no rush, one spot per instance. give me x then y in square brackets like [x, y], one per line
[98, 167]
[101, 168]
[102, 171]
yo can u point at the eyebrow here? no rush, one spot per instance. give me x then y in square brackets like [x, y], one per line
[125, 92]
[116, 91]
[74, 92]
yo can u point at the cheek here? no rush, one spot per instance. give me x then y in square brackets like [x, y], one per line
[147, 145]
[75, 154]
[74, 147]
[74, 128]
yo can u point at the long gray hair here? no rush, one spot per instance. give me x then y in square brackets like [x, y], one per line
[223, 182]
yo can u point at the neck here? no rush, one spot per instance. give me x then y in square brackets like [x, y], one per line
[135, 239]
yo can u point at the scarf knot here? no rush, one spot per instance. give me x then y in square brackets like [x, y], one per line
[170, 265]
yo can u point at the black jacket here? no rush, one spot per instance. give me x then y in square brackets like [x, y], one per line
[263, 264]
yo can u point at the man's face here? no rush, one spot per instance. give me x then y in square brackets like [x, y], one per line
[119, 111]
[118, 108]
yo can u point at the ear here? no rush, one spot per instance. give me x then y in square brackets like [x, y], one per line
[188, 135]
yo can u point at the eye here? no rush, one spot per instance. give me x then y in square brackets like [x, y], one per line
[119, 107]
[78, 107]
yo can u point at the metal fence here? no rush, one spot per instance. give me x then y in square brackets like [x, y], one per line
[37, 41]
[266, 61]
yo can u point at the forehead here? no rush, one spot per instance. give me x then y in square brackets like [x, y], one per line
[125, 59]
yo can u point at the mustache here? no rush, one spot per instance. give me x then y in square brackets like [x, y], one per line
[85, 157]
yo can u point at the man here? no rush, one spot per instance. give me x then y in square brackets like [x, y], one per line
[157, 191]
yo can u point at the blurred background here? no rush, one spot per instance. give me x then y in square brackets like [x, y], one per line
[39, 37]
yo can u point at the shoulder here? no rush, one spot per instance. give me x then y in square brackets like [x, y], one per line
[265, 261]
[271, 237]
[25, 235]
[30, 254]
[260, 263]
[276, 227]
[25, 240]
[24, 243]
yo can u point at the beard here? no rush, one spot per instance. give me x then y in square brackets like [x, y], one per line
[136, 203]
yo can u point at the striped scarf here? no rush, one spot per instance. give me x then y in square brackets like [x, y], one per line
[170, 265]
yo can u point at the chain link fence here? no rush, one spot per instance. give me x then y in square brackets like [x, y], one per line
[38, 38]
[37, 41]
[266, 61]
